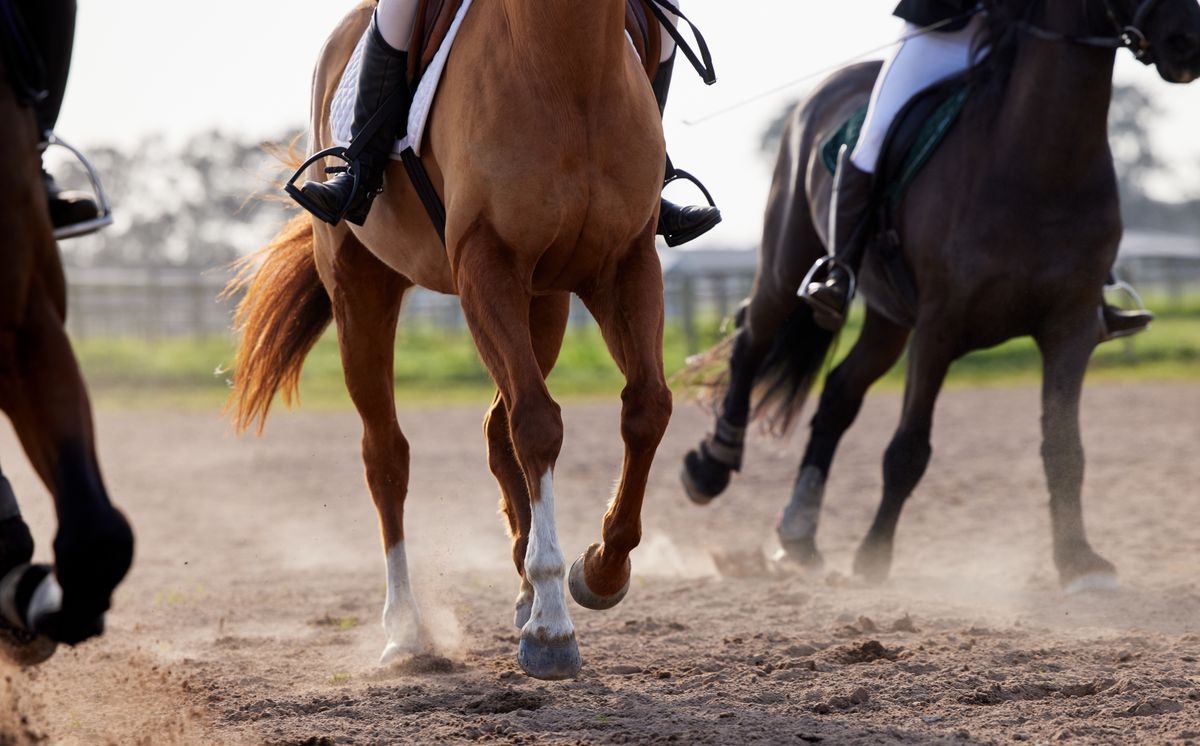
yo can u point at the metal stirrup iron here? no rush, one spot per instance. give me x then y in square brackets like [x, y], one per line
[105, 218]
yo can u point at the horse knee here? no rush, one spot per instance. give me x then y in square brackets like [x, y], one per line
[537, 435]
[905, 461]
[646, 414]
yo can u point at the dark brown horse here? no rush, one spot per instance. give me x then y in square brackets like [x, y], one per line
[42, 392]
[1009, 231]
[551, 175]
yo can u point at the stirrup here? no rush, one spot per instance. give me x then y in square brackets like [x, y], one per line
[105, 218]
[822, 268]
[677, 174]
[353, 167]
[1120, 286]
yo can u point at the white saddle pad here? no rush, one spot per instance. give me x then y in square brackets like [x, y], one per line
[342, 109]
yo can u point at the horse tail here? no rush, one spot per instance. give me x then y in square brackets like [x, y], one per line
[789, 370]
[283, 312]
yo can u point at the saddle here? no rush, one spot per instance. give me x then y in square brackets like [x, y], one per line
[434, 18]
[914, 137]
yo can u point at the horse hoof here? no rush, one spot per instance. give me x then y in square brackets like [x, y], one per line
[25, 648]
[703, 479]
[550, 661]
[801, 554]
[873, 564]
[1098, 582]
[583, 595]
[417, 644]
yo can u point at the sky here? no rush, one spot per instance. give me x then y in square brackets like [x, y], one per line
[148, 67]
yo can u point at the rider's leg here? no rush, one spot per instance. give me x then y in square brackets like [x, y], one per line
[51, 23]
[915, 64]
[384, 72]
[678, 224]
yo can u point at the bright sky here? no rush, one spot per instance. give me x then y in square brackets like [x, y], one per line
[147, 66]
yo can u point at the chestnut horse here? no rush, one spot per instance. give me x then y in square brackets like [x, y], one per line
[43, 394]
[1010, 231]
[546, 146]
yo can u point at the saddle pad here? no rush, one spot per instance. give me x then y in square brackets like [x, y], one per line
[342, 108]
[932, 132]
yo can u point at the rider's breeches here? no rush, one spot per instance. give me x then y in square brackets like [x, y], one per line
[396, 19]
[51, 23]
[915, 65]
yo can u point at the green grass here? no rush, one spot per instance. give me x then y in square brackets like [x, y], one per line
[435, 366]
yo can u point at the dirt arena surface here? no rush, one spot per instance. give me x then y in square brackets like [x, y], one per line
[252, 612]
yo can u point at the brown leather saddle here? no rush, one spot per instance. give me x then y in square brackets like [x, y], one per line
[434, 18]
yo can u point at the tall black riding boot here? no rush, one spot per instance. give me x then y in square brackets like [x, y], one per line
[384, 72]
[51, 23]
[830, 296]
[679, 224]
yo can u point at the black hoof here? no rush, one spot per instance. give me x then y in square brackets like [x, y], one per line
[873, 562]
[550, 661]
[583, 595]
[802, 554]
[703, 478]
[1084, 570]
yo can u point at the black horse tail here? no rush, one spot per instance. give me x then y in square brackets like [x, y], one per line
[782, 379]
[789, 370]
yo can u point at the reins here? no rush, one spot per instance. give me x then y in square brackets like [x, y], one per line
[1130, 35]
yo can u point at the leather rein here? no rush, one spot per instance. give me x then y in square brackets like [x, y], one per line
[1129, 33]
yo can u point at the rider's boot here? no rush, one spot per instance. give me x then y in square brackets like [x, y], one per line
[678, 224]
[51, 24]
[830, 296]
[384, 72]
[68, 208]
[1121, 323]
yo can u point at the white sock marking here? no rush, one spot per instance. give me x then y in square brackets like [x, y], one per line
[401, 618]
[545, 570]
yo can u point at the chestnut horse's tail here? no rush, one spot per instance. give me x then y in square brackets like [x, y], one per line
[283, 313]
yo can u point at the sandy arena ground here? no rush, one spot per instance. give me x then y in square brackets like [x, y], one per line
[252, 612]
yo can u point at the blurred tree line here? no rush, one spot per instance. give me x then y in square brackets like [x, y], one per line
[198, 204]
[204, 202]
[1139, 163]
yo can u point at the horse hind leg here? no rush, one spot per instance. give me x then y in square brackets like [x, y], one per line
[366, 298]
[629, 310]
[878, 348]
[909, 452]
[548, 324]
[708, 468]
[1065, 360]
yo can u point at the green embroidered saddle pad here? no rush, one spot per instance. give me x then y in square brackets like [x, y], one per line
[911, 142]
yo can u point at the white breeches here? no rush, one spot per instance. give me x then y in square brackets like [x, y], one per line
[668, 44]
[915, 65]
[396, 19]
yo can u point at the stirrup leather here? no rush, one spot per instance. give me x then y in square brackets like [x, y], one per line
[353, 167]
[105, 218]
[820, 272]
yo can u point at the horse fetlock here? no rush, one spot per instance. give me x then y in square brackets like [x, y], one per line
[16, 542]
[802, 514]
[596, 587]
[91, 558]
